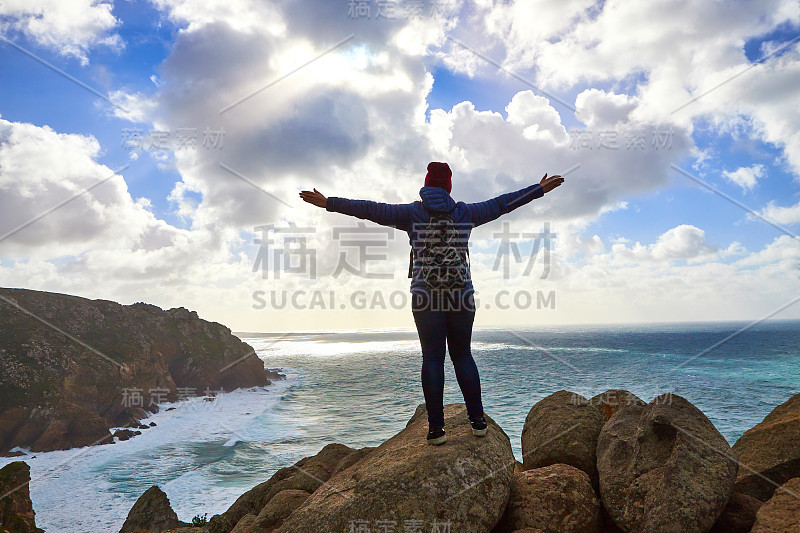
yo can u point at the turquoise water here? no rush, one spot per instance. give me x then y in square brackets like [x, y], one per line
[363, 387]
[360, 388]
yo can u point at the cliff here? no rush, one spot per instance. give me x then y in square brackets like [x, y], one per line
[71, 368]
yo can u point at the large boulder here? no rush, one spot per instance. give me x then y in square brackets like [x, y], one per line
[16, 509]
[406, 482]
[552, 499]
[562, 429]
[151, 512]
[307, 474]
[738, 516]
[781, 513]
[769, 453]
[664, 467]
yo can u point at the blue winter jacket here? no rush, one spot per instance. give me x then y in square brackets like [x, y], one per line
[413, 217]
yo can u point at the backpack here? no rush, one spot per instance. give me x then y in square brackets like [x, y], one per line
[443, 262]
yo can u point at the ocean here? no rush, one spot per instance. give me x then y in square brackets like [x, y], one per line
[360, 387]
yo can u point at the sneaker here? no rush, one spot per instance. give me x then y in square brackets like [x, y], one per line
[436, 435]
[479, 426]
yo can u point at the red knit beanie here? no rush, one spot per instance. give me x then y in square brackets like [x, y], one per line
[439, 175]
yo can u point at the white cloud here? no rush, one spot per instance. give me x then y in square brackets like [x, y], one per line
[746, 177]
[673, 53]
[71, 27]
[247, 16]
[783, 250]
[681, 242]
[536, 117]
[352, 123]
[596, 108]
[360, 112]
[782, 215]
[60, 202]
[491, 155]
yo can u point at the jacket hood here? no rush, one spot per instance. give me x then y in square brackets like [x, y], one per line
[436, 199]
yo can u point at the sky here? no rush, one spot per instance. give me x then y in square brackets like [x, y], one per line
[154, 151]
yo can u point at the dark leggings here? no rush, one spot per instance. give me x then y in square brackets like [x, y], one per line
[454, 327]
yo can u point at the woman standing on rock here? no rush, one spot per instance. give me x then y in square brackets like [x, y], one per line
[443, 303]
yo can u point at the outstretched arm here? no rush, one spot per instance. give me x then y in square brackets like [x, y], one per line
[394, 215]
[483, 212]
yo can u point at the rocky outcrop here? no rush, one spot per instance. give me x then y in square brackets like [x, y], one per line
[553, 499]
[71, 368]
[562, 428]
[770, 451]
[781, 513]
[407, 482]
[151, 512]
[664, 467]
[16, 509]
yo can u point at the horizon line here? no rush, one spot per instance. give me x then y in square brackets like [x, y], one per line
[512, 327]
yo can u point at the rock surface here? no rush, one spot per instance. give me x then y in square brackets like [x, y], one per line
[16, 509]
[552, 499]
[278, 508]
[664, 467]
[781, 513]
[245, 525]
[770, 451]
[307, 474]
[464, 482]
[611, 401]
[562, 428]
[738, 516]
[71, 368]
[151, 512]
